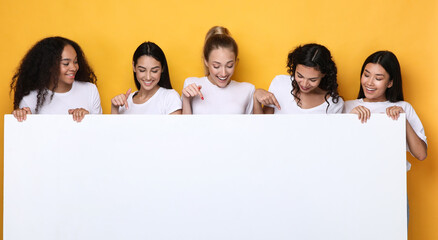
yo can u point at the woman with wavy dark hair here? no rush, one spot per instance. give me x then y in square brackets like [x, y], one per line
[151, 77]
[311, 86]
[54, 77]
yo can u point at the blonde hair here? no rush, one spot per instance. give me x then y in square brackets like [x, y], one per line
[218, 37]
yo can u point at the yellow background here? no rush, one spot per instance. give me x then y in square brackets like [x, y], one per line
[109, 32]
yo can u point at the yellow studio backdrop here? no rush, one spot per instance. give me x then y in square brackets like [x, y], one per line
[110, 31]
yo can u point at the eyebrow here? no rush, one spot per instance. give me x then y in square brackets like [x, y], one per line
[377, 74]
[151, 68]
[307, 78]
[231, 61]
[68, 59]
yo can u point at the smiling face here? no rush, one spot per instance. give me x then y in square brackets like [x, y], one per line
[308, 78]
[375, 80]
[148, 72]
[68, 69]
[221, 63]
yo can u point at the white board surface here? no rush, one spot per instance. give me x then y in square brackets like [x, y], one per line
[205, 177]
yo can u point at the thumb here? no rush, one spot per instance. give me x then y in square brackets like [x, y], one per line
[70, 111]
[27, 109]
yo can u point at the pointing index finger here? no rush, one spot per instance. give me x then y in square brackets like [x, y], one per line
[126, 98]
[200, 93]
[276, 102]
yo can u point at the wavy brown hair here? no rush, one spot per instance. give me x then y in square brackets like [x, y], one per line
[40, 68]
[318, 57]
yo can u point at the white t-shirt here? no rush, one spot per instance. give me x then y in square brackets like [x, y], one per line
[235, 98]
[281, 87]
[81, 95]
[380, 107]
[164, 101]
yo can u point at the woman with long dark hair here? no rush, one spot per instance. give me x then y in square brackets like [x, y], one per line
[310, 87]
[151, 76]
[54, 77]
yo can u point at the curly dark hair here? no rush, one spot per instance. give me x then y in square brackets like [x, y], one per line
[318, 57]
[40, 68]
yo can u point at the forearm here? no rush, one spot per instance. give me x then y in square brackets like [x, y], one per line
[186, 105]
[257, 106]
[417, 146]
[114, 109]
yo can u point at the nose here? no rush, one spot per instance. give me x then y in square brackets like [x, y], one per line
[224, 71]
[148, 75]
[369, 81]
[74, 67]
[305, 82]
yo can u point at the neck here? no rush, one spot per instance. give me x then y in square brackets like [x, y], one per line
[375, 100]
[61, 88]
[144, 94]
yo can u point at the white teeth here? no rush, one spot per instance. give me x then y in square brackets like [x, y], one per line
[224, 78]
[370, 89]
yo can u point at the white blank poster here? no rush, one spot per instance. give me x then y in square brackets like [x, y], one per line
[205, 177]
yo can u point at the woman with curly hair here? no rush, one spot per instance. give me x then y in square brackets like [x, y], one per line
[310, 88]
[54, 77]
[151, 76]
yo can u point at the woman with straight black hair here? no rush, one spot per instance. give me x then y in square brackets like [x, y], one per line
[311, 86]
[151, 76]
[381, 92]
[54, 77]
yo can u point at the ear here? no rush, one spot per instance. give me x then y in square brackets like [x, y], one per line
[206, 63]
[133, 66]
[390, 84]
[237, 61]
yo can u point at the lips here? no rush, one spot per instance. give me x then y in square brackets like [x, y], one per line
[148, 83]
[304, 89]
[71, 75]
[222, 78]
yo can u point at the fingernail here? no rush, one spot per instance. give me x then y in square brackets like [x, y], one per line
[202, 98]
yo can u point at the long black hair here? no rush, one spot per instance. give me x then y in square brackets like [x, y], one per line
[390, 63]
[318, 57]
[153, 50]
[40, 68]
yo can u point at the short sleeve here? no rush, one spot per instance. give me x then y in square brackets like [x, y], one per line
[172, 101]
[349, 105]
[29, 101]
[95, 98]
[249, 107]
[23, 104]
[415, 122]
[276, 87]
[336, 107]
